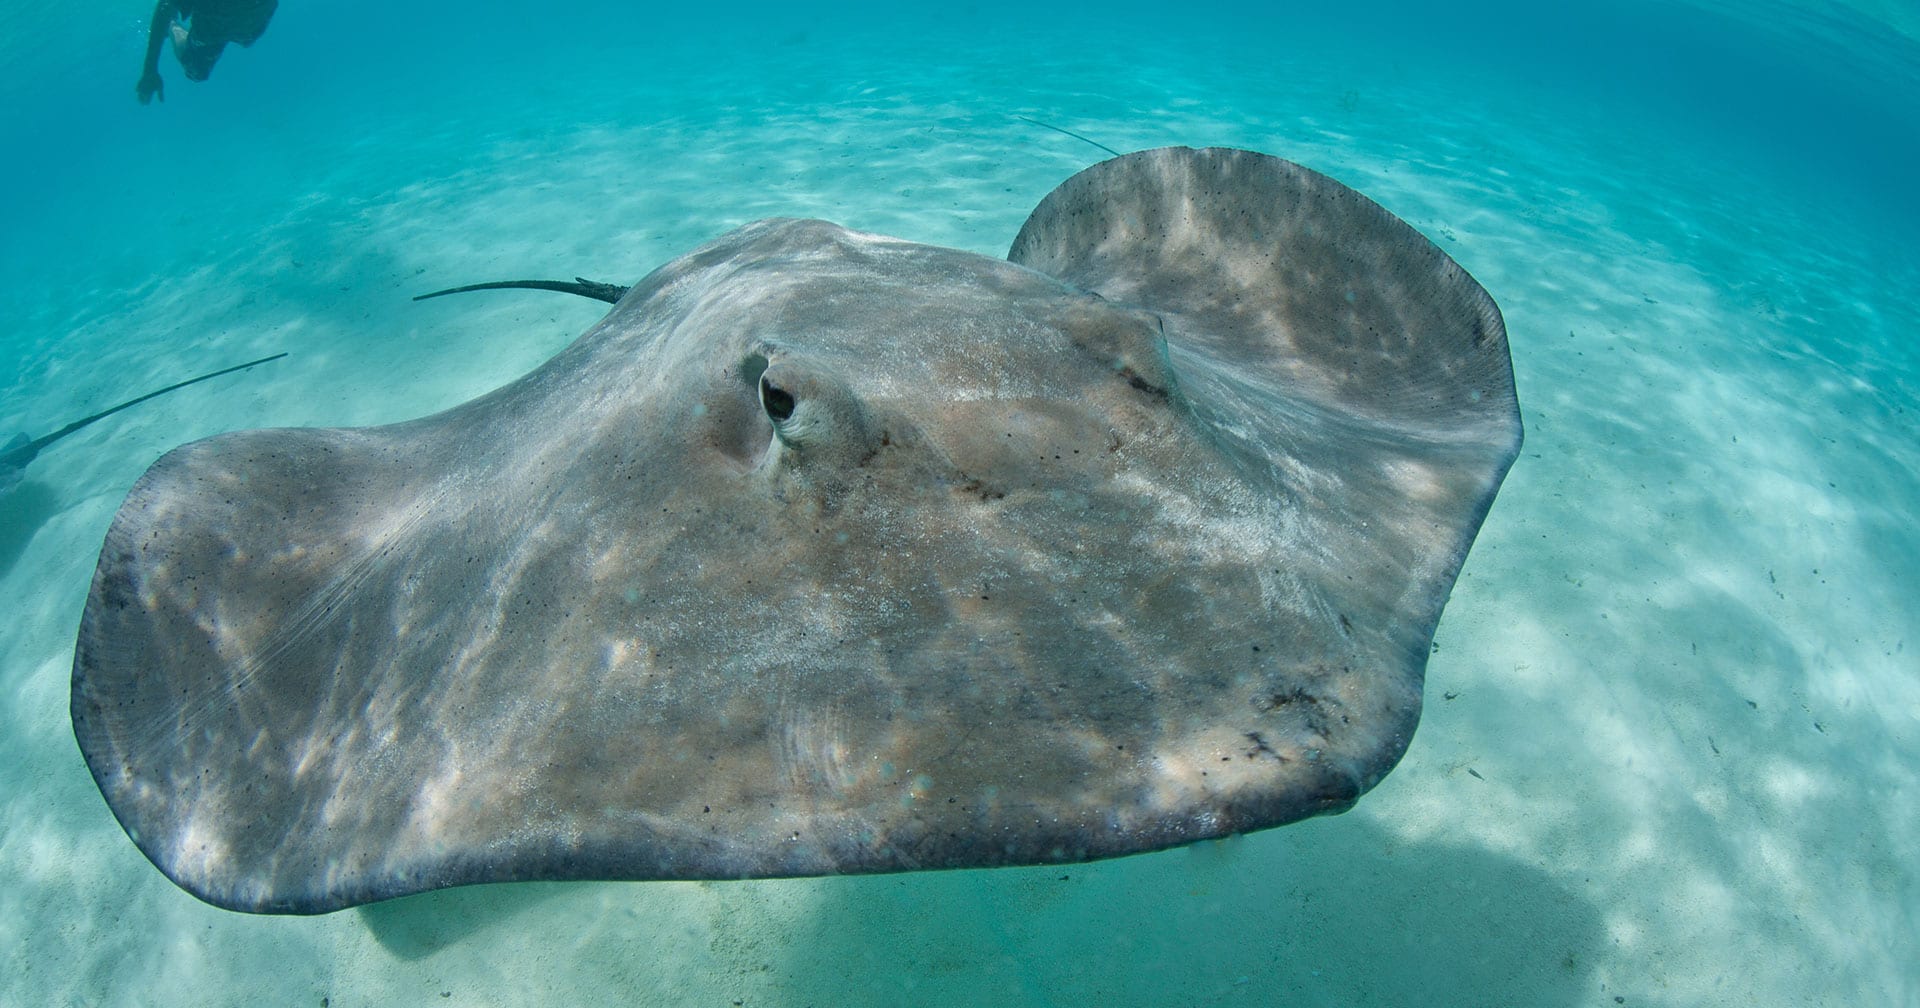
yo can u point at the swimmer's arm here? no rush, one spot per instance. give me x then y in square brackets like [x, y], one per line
[163, 13]
[156, 37]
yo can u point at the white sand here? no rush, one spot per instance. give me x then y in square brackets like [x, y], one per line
[1672, 748]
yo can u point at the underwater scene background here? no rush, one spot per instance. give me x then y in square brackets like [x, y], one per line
[1671, 749]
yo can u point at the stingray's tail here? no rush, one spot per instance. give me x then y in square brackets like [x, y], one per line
[1070, 133]
[33, 447]
[610, 293]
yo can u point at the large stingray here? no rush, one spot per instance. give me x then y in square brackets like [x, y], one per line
[826, 553]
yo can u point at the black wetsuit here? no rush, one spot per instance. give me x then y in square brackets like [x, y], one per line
[211, 25]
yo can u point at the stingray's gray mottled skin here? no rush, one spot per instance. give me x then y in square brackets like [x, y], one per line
[826, 552]
[15, 454]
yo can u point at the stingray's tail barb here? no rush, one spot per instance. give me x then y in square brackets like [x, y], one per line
[610, 293]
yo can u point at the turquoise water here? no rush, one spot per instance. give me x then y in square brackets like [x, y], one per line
[1671, 754]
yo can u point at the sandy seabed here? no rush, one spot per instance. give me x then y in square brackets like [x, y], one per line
[1671, 752]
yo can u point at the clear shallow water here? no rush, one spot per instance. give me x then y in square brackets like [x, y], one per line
[1679, 659]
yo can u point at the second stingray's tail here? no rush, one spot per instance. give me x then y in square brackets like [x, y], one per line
[33, 447]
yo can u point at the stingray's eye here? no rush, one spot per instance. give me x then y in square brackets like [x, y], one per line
[817, 419]
[778, 402]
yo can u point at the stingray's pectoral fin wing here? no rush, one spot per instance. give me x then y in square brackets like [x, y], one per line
[1327, 348]
[266, 562]
[1290, 277]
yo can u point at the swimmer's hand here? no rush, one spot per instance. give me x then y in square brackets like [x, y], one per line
[150, 86]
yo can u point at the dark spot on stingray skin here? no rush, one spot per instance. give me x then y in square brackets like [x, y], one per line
[1143, 385]
[1261, 748]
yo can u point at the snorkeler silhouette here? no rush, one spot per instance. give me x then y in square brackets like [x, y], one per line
[200, 30]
